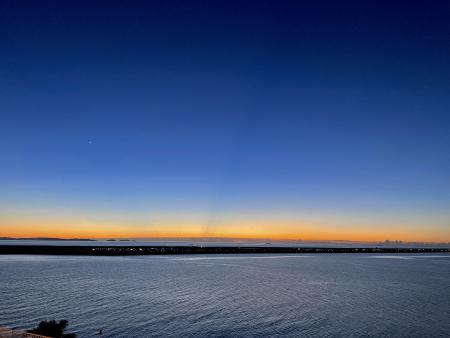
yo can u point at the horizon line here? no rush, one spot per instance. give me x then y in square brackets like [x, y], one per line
[221, 239]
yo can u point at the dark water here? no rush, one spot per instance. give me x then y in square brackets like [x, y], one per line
[231, 296]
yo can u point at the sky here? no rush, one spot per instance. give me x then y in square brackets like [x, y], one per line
[312, 120]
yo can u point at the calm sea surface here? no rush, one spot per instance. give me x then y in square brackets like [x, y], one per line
[336, 295]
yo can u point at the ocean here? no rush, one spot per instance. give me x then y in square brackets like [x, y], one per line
[322, 295]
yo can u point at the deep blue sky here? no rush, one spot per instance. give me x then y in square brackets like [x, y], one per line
[226, 107]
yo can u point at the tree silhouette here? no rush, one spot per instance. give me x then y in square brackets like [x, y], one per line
[53, 329]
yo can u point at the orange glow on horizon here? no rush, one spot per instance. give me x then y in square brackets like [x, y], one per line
[270, 230]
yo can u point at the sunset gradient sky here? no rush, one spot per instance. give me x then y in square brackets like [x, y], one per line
[314, 120]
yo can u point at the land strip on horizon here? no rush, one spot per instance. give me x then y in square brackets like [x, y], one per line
[186, 250]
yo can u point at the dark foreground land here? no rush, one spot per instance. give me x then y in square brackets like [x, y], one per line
[183, 250]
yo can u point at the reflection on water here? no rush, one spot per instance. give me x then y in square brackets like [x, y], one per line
[234, 257]
[234, 295]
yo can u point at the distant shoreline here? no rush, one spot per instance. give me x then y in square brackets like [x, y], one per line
[237, 241]
[189, 250]
[45, 239]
